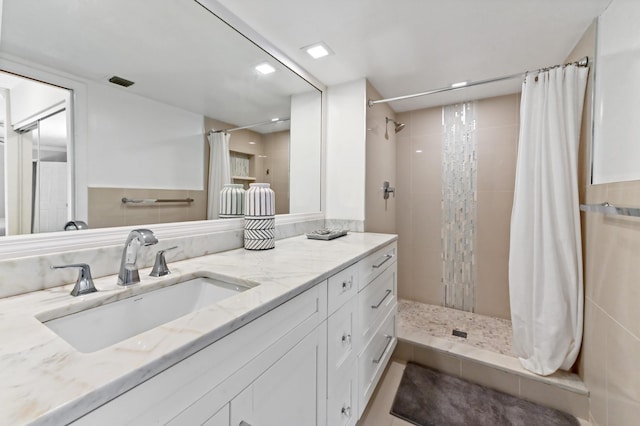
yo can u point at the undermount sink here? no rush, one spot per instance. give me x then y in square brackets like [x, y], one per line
[103, 326]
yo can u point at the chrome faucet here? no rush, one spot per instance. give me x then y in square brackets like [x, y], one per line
[128, 270]
[84, 283]
[160, 268]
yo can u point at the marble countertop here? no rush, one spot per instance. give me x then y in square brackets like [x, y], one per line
[44, 380]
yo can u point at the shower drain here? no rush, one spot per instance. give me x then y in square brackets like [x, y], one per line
[459, 333]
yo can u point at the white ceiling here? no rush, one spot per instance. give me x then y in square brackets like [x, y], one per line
[409, 46]
[175, 51]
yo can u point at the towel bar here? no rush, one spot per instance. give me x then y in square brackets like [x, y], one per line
[126, 200]
[607, 208]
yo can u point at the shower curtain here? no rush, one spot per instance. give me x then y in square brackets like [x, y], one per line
[219, 170]
[545, 258]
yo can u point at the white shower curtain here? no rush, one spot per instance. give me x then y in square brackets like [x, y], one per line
[219, 170]
[545, 258]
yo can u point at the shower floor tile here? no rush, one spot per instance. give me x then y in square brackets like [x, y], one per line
[483, 332]
[488, 340]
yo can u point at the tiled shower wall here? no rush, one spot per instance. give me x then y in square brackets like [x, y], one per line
[418, 215]
[611, 343]
[458, 206]
[380, 214]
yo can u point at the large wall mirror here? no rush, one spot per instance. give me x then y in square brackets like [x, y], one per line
[72, 129]
[616, 137]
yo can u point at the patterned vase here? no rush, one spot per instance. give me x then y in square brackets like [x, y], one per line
[259, 219]
[232, 199]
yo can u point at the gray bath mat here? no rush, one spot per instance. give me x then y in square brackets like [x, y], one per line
[427, 397]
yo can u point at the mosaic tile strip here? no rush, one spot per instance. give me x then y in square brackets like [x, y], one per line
[459, 206]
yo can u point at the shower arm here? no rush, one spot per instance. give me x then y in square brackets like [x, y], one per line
[398, 127]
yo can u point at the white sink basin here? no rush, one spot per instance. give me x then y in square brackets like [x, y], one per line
[100, 327]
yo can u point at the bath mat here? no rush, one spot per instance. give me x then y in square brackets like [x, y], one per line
[427, 397]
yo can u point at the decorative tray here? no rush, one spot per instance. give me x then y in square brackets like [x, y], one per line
[326, 234]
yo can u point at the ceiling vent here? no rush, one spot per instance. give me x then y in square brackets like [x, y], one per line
[120, 81]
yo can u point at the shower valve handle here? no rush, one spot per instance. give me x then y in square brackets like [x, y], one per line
[388, 190]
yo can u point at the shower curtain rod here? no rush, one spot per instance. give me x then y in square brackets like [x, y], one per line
[248, 126]
[581, 63]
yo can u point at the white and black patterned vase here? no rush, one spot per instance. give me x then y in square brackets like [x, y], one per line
[232, 199]
[259, 219]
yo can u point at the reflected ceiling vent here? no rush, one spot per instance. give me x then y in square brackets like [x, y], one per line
[120, 81]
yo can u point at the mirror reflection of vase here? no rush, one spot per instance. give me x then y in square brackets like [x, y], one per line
[261, 200]
[232, 201]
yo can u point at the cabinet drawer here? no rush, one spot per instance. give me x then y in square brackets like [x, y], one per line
[342, 397]
[374, 358]
[341, 334]
[374, 303]
[374, 264]
[342, 286]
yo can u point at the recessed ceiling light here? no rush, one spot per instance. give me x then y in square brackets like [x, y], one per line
[418, 151]
[252, 143]
[460, 84]
[318, 50]
[265, 68]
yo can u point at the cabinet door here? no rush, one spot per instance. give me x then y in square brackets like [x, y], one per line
[221, 418]
[342, 397]
[341, 331]
[291, 392]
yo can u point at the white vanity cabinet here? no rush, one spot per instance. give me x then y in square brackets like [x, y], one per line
[341, 352]
[314, 360]
[289, 392]
[253, 360]
[221, 418]
[361, 333]
[377, 309]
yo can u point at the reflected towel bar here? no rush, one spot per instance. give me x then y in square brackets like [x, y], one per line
[126, 200]
[607, 208]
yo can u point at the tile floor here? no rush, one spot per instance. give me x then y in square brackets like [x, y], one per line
[377, 412]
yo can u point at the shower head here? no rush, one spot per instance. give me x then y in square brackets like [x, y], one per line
[398, 127]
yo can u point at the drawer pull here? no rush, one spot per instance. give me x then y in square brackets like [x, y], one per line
[386, 258]
[346, 285]
[346, 339]
[387, 293]
[243, 423]
[389, 338]
[346, 411]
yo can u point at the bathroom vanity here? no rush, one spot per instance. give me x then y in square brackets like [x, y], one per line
[304, 344]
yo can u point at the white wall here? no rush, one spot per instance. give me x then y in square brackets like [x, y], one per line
[135, 142]
[305, 152]
[616, 127]
[29, 99]
[346, 151]
[3, 95]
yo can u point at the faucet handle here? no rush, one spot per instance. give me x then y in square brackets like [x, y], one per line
[84, 283]
[160, 267]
